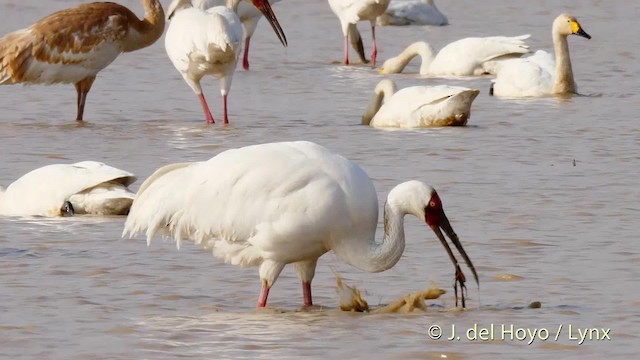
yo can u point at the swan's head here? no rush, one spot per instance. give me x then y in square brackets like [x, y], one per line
[568, 25]
[393, 65]
[66, 210]
[422, 200]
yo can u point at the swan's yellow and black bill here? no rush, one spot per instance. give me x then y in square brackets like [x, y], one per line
[577, 29]
[265, 8]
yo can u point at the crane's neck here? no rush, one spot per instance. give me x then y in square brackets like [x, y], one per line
[148, 30]
[383, 92]
[372, 256]
[563, 80]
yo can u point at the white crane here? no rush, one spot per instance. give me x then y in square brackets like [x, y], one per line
[275, 204]
[350, 12]
[249, 18]
[205, 42]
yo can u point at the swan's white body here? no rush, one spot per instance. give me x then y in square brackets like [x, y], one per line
[412, 12]
[274, 204]
[541, 74]
[249, 17]
[465, 57]
[350, 12]
[91, 187]
[204, 42]
[419, 106]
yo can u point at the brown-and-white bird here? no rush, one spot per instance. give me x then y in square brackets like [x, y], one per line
[73, 45]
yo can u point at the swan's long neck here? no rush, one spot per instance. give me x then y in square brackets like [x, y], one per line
[372, 256]
[148, 30]
[383, 91]
[422, 49]
[563, 80]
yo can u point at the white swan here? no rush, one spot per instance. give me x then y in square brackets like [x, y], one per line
[468, 56]
[87, 187]
[540, 74]
[412, 12]
[419, 106]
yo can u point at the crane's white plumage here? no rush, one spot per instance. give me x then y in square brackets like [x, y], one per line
[91, 187]
[468, 56]
[203, 42]
[412, 12]
[541, 74]
[350, 12]
[419, 106]
[249, 17]
[274, 204]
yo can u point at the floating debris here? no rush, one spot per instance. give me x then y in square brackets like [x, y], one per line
[351, 300]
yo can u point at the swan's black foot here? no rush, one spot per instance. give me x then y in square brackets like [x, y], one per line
[459, 279]
[67, 209]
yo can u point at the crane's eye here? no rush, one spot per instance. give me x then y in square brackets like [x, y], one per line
[432, 203]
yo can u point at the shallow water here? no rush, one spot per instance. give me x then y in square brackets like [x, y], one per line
[543, 194]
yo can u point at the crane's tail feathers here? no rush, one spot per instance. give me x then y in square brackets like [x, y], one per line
[16, 50]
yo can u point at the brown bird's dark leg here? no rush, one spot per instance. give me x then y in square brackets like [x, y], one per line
[82, 88]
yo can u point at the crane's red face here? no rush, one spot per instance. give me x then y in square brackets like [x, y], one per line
[265, 8]
[435, 217]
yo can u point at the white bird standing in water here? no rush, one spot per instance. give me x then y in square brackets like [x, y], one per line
[418, 106]
[86, 187]
[205, 42]
[249, 18]
[274, 204]
[350, 12]
[74, 45]
[464, 57]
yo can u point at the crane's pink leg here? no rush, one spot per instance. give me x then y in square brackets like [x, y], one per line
[346, 50]
[225, 120]
[374, 50]
[306, 293]
[205, 108]
[264, 293]
[245, 57]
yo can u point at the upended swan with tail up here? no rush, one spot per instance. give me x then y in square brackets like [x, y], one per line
[275, 204]
[540, 74]
[412, 12]
[419, 106]
[86, 187]
[465, 57]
